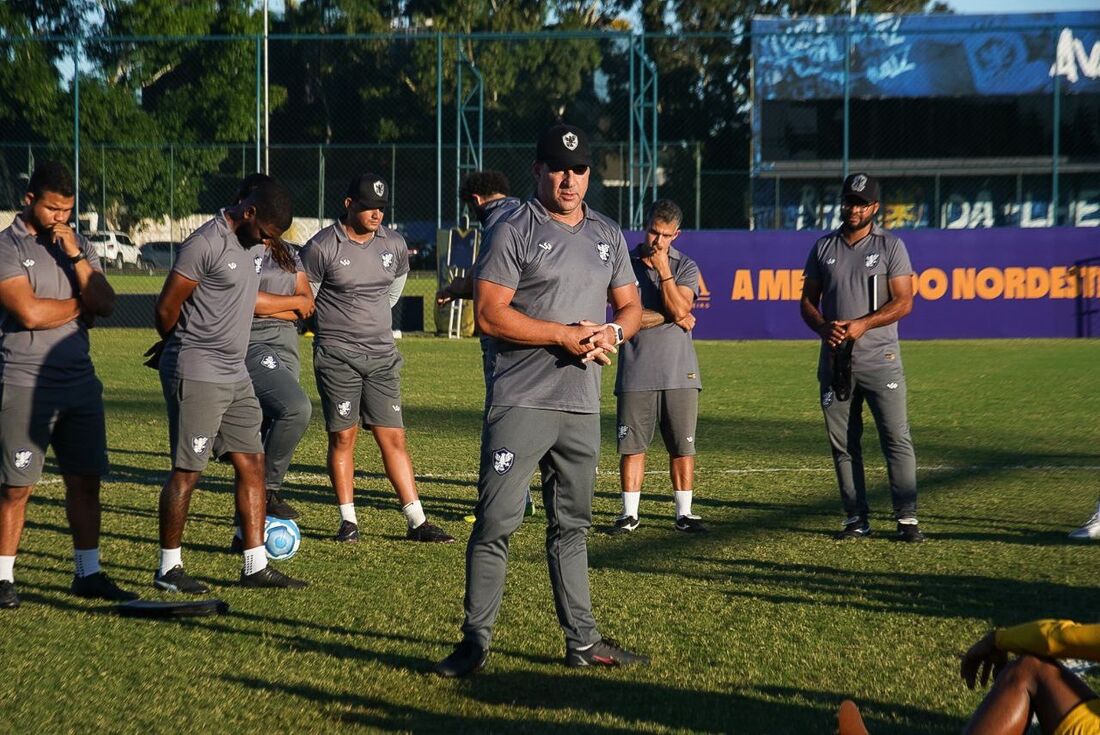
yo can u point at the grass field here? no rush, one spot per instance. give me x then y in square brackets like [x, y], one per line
[762, 626]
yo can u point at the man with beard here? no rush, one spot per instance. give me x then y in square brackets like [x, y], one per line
[858, 285]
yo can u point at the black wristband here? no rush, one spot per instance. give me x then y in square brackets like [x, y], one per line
[667, 279]
[74, 259]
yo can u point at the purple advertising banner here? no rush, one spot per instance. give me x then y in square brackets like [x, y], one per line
[970, 283]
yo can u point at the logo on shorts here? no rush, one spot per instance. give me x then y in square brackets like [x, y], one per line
[546, 246]
[502, 460]
[623, 429]
[892, 386]
[232, 266]
[603, 250]
[691, 440]
[28, 263]
[343, 408]
[345, 261]
[827, 398]
[258, 261]
[396, 407]
[269, 362]
[379, 188]
[871, 260]
[199, 444]
[23, 456]
[387, 260]
[569, 140]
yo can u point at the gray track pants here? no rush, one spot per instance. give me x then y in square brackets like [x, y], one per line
[883, 387]
[274, 369]
[565, 447]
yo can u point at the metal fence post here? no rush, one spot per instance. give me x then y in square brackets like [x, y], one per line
[1056, 145]
[76, 130]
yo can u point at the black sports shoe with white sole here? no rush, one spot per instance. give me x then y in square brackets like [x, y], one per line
[348, 533]
[467, 658]
[177, 580]
[8, 598]
[429, 533]
[855, 527]
[271, 577]
[100, 587]
[691, 524]
[623, 524]
[908, 533]
[604, 652]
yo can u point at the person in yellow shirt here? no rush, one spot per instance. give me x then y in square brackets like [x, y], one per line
[1033, 682]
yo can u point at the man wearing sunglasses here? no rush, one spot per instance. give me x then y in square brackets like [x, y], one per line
[542, 285]
[858, 286]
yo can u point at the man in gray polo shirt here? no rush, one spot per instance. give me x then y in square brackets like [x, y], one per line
[658, 378]
[51, 289]
[858, 285]
[542, 288]
[204, 311]
[357, 268]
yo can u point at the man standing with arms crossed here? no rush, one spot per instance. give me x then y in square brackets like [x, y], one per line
[543, 284]
[357, 268]
[858, 285]
[51, 288]
[204, 312]
[658, 378]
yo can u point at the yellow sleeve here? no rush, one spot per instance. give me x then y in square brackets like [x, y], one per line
[1052, 638]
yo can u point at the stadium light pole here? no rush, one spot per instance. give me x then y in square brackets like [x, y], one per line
[267, 113]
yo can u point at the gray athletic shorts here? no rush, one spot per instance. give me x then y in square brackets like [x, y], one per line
[207, 420]
[68, 419]
[675, 411]
[356, 388]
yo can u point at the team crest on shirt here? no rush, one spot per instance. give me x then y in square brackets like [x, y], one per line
[269, 362]
[387, 260]
[603, 250]
[343, 408]
[199, 444]
[379, 188]
[569, 140]
[871, 260]
[502, 460]
[28, 263]
[827, 398]
[345, 261]
[258, 261]
[623, 429]
[22, 458]
[232, 265]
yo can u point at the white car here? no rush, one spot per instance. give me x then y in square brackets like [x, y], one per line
[115, 250]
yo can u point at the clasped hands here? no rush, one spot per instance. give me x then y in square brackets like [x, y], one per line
[590, 341]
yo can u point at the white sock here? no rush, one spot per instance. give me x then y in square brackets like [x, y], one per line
[347, 513]
[255, 560]
[87, 561]
[7, 568]
[170, 558]
[630, 503]
[683, 503]
[414, 514]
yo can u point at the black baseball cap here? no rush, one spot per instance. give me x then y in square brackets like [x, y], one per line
[563, 146]
[861, 186]
[370, 191]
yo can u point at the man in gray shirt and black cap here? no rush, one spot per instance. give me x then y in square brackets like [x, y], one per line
[542, 287]
[357, 268]
[858, 285]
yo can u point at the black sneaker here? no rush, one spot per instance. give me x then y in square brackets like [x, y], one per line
[691, 524]
[604, 652]
[429, 533]
[269, 576]
[99, 586]
[177, 580]
[623, 524]
[348, 533]
[278, 507]
[908, 533]
[855, 527]
[467, 658]
[8, 598]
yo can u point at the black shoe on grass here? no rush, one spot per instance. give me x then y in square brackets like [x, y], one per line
[623, 525]
[604, 652]
[855, 527]
[177, 580]
[691, 524]
[278, 507]
[8, 598]
[100, 587]
[271, 577]
[908, 533]
[348, 533]
[467, 658]
[429, 533]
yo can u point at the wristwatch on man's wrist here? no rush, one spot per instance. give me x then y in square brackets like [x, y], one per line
[618, 333]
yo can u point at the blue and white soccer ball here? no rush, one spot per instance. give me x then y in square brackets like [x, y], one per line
[281, 538]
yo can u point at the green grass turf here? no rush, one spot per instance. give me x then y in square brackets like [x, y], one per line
[762, 626]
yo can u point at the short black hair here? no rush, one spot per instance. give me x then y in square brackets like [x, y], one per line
[51, 176]
[273, 203]
[249, 184]
[665, 210]
[484, 183]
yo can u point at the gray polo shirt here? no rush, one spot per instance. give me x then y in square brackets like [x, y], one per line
[849, 276]
[211, 338]
[497, 210]
[47, 358]
[354, 279]
[560, 274]
[662, 357]
[275, 280]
